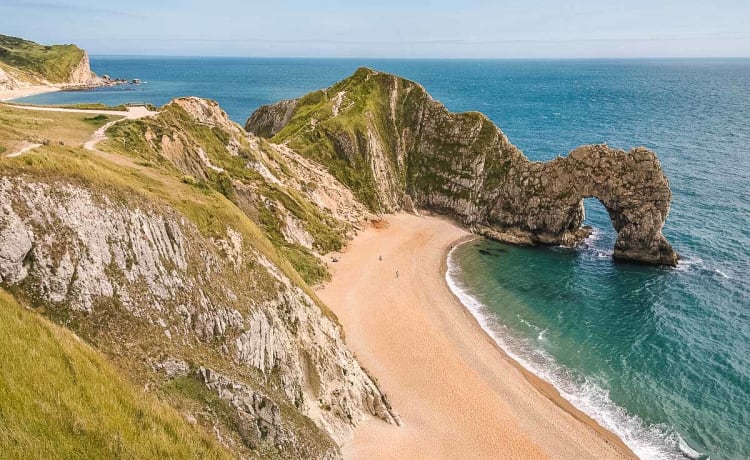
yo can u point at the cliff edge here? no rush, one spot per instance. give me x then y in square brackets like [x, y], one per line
[396, 147]
[180, 248]
[24, 63]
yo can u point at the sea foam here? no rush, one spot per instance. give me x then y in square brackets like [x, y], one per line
[647, 441]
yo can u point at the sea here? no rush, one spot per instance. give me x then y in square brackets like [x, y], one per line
[659, 356]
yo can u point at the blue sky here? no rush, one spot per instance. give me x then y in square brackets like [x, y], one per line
[388, 28]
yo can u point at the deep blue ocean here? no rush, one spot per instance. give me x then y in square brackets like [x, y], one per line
[659, 356]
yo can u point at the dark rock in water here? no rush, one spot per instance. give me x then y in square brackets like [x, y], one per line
[386, 138]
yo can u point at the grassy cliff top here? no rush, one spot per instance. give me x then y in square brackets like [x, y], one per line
[53, 63]
[60, 398]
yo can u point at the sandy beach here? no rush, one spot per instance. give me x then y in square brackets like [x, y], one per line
[11, 94]
[458, 394]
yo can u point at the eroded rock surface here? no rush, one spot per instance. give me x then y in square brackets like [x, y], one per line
[394, 145]
[138, 279]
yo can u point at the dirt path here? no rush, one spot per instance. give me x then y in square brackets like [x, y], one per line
[133, 113]
[24, 149]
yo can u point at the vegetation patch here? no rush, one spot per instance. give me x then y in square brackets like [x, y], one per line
[59, 398]
[97, 119]
[18, 126]
[53, 63]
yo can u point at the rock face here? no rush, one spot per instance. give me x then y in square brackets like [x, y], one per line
[82, 75]
[388, 140]
[303, 208]
[270, 119]
[139, 280]
[8, 81]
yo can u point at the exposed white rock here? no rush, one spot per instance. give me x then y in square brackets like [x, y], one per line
[82, 251]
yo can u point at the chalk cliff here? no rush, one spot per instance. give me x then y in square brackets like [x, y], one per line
[175, 254]
[388, 140]
[24, 63]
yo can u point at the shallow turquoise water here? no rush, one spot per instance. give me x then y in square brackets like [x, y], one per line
[657, 355]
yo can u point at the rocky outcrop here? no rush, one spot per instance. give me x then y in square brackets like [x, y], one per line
[395, 146]
[24, 63]
[304, 209]
[8, 81]
[138, 278]
[270, 119]
[81, 74]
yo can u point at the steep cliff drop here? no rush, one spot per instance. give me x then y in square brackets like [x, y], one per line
[180, 247]
[387, 139]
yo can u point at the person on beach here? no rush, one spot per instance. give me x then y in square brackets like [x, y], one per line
[396, 273]
[380, 257]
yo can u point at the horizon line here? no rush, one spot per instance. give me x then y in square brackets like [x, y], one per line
[404, 58]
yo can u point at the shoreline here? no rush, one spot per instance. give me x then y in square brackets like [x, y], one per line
[11, 94]
[457, 391]
[33, 90]
[544, 387]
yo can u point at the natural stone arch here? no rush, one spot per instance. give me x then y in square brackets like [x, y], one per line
[542, 203]
[399, 148]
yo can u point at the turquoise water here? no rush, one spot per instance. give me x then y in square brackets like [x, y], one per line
[660, 356]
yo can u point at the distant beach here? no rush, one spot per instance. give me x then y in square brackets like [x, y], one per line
[27, 91]
[458, 394]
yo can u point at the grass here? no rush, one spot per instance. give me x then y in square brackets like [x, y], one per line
[24, 125]
[60, 399]
[208, 209]
[52, 63]
[338, 142]
[129, 138]
[97, 119]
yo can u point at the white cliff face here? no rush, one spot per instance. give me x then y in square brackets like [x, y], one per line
[146, 265]
[7, 82]
[82, 74]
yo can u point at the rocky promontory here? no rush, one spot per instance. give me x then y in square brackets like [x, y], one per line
[388, 140]
[24, 63]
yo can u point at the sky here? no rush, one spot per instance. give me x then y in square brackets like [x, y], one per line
[389, 28]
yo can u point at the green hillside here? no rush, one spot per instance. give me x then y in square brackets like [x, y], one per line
[60, 399]
[53, 63]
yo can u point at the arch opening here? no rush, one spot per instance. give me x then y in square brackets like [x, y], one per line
[602, 224]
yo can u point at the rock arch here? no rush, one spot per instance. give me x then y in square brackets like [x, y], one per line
[399, 148]
[542, 203]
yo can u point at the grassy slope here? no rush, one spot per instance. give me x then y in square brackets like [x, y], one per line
[367, 96]
[52, 63]
[22, 125]
[59, 398]
[342, 142]
[148, 184]
[128, 138]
